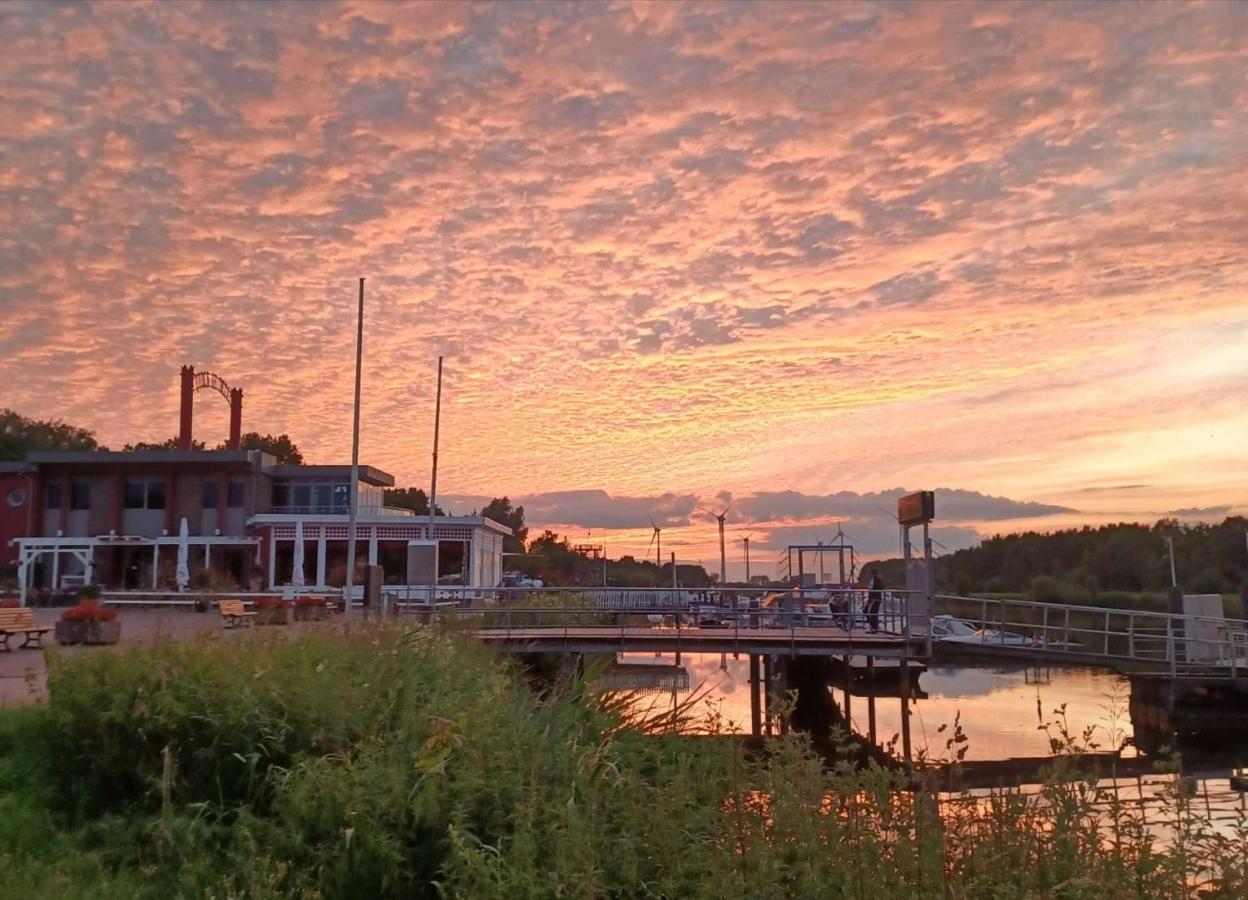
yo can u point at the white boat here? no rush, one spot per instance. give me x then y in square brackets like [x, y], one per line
[950, 630]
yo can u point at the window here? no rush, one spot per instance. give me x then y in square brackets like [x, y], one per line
[54, 495]
[80, 495]
[145, 495]
[136, 492]
[306, 496]
[235, 495]
[211, 494]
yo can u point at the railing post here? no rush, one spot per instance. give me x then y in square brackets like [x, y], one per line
[1131, 636]
[1170, 645]
[1044, 626]
[1106, 634]
[1066, 629]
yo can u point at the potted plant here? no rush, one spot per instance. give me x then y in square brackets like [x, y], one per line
[311, 608]
[272, 611]
[89, 622]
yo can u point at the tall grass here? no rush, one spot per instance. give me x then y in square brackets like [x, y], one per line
[392, 761]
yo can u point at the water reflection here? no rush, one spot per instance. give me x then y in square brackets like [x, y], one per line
[1001, 709]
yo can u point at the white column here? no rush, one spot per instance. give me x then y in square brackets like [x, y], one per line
[320, 558]
[56, 569]
[272, 557]
[155, 564]
[372, 546]
[89, 568]
[23, 572]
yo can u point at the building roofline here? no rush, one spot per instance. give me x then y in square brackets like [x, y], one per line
[365, 519]
[114, 457]
[368, 474]
[17, 467]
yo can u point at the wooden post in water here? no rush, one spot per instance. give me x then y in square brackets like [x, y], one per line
[766, 688]
[756, 711]
[904, 675]
[848, 678]
[871, 698]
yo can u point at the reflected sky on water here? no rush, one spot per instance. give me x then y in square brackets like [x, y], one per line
[1001, 708]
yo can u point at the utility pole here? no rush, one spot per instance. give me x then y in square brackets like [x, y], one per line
[1174, 581]
[349, 589]
[723, 560]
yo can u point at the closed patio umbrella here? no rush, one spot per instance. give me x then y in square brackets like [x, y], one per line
[296, 576]
[183, 575]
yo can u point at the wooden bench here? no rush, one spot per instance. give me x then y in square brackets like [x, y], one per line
[21, 621]
[233, 613]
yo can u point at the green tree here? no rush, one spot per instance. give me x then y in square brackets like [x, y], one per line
[280, 446]
[167, 444]
[501, 511]
[414, 499]
[20, 435]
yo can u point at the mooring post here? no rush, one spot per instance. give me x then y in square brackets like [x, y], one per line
[756, 711]
[766, 688]
[904, 675]
[871, 698]
[848, 676]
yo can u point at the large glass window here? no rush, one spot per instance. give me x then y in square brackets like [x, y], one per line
[300, 496]
[55, 496]
[80, 495]
[236, 495]
[155, 495]
[211, 494]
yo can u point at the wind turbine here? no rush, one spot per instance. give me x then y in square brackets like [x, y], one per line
[746, 541]
[656, 538]
[723, 559]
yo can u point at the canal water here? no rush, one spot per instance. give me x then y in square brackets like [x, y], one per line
[1001, 710]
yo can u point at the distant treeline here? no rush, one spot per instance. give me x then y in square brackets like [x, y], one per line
[1080, 563]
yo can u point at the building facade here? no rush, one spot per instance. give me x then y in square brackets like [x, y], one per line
[117, 519]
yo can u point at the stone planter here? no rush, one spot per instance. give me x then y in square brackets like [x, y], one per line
[88, 632]
[272, 615]
[311, 613]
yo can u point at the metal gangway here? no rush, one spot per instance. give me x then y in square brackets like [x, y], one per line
[1127, 640]
[791, 621]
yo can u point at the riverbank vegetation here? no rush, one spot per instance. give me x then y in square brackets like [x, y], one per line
[406, 762]
[1083, 565]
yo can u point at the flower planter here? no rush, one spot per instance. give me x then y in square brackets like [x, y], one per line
[311, 613]
[84, 632]
[272, 615]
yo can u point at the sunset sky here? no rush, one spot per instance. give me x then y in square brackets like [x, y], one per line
[799, 255]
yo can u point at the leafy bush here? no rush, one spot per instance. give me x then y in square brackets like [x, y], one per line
[89, 591]
[271, 603]
[390, 761]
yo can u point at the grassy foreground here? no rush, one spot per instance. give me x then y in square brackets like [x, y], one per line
[407, 762]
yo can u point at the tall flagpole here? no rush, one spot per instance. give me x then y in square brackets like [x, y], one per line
[349, 590]
[433, 479]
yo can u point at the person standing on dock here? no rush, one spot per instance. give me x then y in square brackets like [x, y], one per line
[875, 599]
